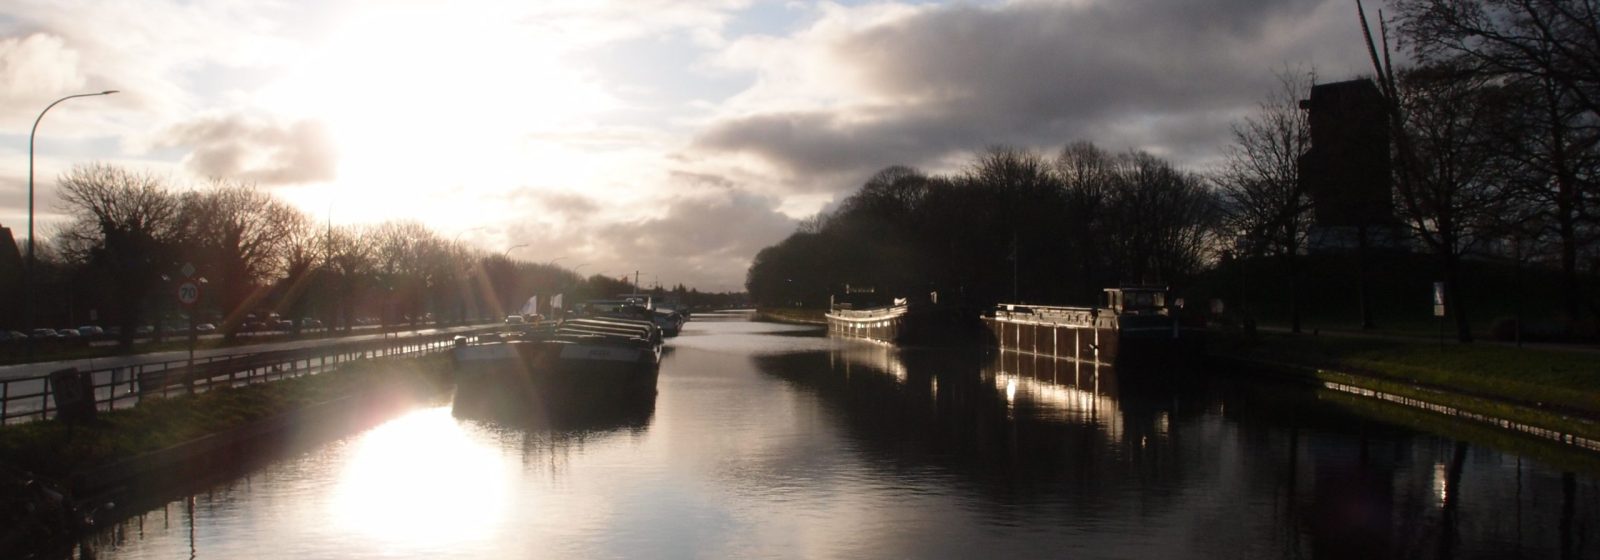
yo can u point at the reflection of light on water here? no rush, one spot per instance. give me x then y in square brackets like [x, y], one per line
[1082, 405]
[1441, 488]
[872, 354]
[419, 480]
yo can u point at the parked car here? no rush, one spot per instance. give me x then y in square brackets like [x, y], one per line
[91, 331]
[516, 320]
[205, 328]
[12, 336]
[284, 325]
[68, 333]
[144, 330]
[310, 323]
[44, 334]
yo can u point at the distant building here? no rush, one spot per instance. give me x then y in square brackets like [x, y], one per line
[1347, 171]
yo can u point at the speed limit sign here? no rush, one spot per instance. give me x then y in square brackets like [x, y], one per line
[188, 293]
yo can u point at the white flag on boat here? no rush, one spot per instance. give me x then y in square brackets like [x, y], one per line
[531, 307]
[555, 302]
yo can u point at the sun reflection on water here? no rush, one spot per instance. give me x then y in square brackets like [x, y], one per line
[421, 481]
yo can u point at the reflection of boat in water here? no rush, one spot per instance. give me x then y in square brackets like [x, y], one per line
[1134, 325]
[581, 364]
[1077, 391]
[514, 404]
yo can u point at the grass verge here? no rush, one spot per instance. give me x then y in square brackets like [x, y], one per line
[1548, 388]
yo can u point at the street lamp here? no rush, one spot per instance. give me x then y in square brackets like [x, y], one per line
[507, 253]
[27, 270]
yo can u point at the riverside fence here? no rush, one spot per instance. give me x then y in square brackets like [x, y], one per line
[25, 399]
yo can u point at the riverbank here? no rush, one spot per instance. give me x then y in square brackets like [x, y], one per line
[166, 442]
[56, 450]
[1548, 393]
[796, 316]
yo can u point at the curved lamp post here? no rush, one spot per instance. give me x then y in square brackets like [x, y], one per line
[27, 269]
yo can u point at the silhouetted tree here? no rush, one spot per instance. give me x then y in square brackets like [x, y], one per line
[1554, 41]
[1548, 50]
[239, 234]
[1447, 179]
[350, 260]
[124, 224]
[1266, 209]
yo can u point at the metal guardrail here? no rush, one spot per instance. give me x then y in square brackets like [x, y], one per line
[26, 399]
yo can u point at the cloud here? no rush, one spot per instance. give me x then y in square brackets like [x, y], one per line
[916, 85]
[568, 205]
[35, 68]
[704, 241]
[238, 146]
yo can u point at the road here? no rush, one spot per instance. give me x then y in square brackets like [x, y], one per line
[40, 368]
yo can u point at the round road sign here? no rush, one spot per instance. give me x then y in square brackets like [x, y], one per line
[188, 293]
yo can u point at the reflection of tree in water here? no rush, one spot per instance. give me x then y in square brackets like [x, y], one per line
[1249, 468]
[1054, 444]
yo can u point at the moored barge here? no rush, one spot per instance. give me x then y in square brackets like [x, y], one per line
[581, 361]
[1134, 324]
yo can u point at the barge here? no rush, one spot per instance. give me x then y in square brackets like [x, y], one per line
[903, 322]
[581, 362]
[1134, 324]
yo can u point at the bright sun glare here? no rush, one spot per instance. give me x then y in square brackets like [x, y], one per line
[418, 482]
[421, 99]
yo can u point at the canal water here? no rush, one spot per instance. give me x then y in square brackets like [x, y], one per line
[774, 441]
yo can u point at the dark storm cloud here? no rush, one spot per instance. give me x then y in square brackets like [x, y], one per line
[1150, 74]
[237, 146]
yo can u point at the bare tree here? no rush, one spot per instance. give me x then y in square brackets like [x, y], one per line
[351, 262]
[1448, 187]
[1557, 41]
[403, 249]
[303, 255]
[1266, 207]
[1088, 176]
[240, 234]
[124, 223]
[1163, 220]
[1549, 49]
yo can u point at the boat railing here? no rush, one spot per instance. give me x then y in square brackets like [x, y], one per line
[869, 314]
[1052, 314]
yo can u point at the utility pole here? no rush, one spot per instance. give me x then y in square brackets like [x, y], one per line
[636, 281]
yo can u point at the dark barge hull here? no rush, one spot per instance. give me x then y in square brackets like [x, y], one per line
[557, 372]
[917, 324]
[1086, 335]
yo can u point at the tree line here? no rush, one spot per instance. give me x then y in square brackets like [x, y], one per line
[1493, 160]
[120, 260]
[1012, 225]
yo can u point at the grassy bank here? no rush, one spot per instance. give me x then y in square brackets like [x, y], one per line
[1557, 389]
[792, 315]
[55, 450]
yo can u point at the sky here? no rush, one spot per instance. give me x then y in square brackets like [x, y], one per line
[672, 138]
